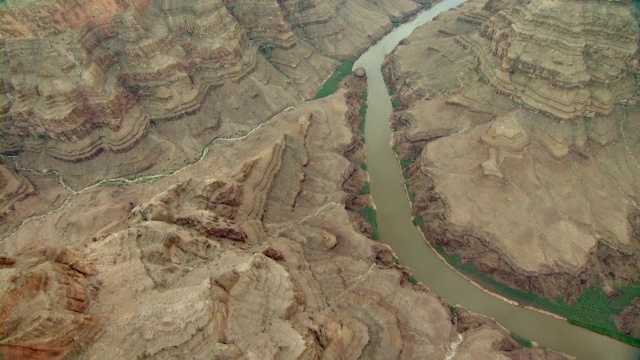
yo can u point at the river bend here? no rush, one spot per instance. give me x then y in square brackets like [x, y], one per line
[397, 230]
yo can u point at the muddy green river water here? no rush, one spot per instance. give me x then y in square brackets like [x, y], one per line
[397, 230]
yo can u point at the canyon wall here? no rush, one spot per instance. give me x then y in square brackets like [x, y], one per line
[83, 78]
[518, 124]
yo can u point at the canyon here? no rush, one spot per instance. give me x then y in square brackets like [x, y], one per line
[257, 253]
[520, 150]
[144, 204]
[173, 183]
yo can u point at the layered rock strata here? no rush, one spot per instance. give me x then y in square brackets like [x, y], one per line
[565, 59]
[85, 78]
[520, 125]
[252, 253]
[15, 188]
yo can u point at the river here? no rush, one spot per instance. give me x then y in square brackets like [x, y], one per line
[397, 230]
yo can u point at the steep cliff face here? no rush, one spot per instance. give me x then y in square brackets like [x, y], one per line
[252, 252]
[80, 79]
[519, 128]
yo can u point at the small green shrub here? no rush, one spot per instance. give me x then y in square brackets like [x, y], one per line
[418, 220]
[454, 311]
[404, 163]
[266, 50]
[366, 189]
[369, 215]
[362, 113]
[400, 22]
[523, 341]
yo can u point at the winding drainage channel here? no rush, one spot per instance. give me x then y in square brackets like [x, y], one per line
[397, 230]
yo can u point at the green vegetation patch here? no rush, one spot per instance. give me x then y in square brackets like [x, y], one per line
[412, 196]
[366, 189]
[400, 22]
[454, 311]
[413, 280]
[592, 310]
[607, 332]
[364, 95]
[404, 163]
[418, 220]
[331, 85]
[369, 215]
[363, 166]
[522, 340]
[266, 50]
[363, 113]
[395, 103]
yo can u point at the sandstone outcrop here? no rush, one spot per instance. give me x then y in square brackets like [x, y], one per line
[251, 252]
[520, 125]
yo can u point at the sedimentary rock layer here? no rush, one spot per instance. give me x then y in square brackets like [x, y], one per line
[85, 78]
[15, 188]
[46, 293]
[566, 59]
